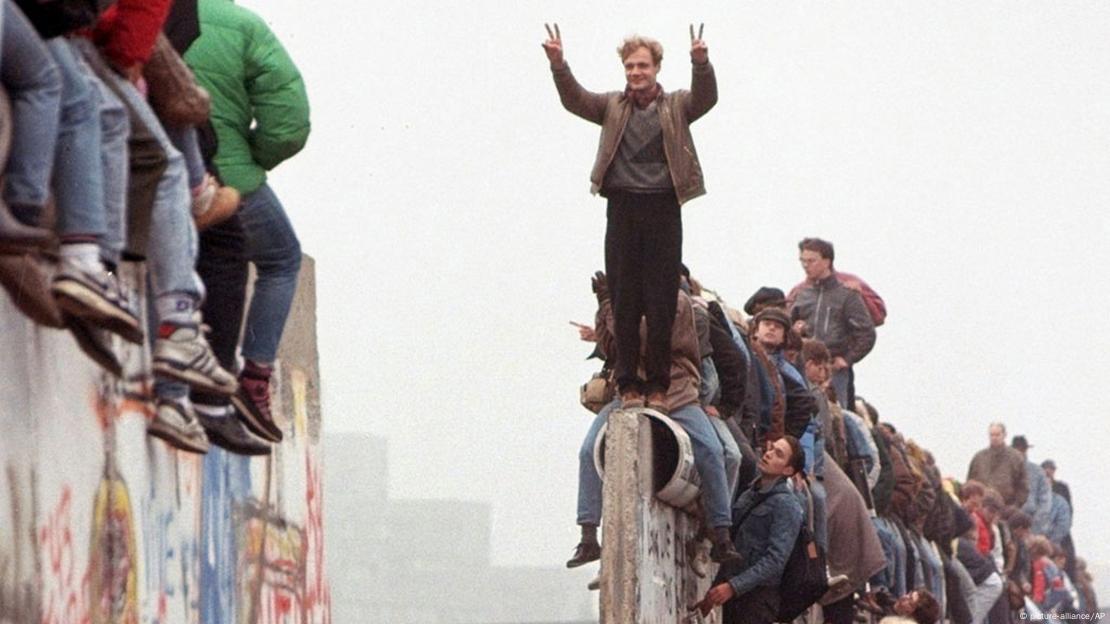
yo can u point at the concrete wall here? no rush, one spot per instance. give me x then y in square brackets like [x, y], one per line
[646, 544]
[101, 523]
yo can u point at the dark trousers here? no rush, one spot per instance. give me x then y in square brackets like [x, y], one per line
[759, 606]
[643, 259]
[222, 264]
[840, 612]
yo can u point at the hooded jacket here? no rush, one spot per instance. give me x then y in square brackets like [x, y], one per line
[259, 104]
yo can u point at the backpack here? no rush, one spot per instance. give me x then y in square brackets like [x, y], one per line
[804, 580]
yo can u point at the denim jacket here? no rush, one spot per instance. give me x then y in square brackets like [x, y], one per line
[766, 536]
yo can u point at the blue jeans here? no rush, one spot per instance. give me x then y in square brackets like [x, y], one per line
[33, 82]
[172, 249]
[933, 568]
[894, 535]
[732, 456]
[272, 245]
[78, 171]
[184, 138]
[708, 457]
[115, 127]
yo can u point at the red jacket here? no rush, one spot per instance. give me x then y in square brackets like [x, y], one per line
[125, 33]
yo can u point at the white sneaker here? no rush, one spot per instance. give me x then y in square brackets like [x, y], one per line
[176, 423]
[182, 353]
[96, 296]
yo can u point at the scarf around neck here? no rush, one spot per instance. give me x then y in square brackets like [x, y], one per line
[644, 97]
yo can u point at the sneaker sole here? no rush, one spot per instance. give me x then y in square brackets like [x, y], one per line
[192, 379]
[171, 437]
[574, 564]
[253, 422]
[222, 442]
[96, 352]
[78, 300]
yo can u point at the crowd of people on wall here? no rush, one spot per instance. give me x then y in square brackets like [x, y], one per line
[142, 131]
[791, 459]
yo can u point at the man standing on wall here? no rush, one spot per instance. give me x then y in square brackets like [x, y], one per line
[1001, 467]
[836, 315]
[647, 168]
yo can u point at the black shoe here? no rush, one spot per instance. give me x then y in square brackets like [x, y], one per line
[96, 343]
[228, 433]
[723, 551]
[584, 553]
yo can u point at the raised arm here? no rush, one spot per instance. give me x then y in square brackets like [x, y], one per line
[703, 82]
[586, 104]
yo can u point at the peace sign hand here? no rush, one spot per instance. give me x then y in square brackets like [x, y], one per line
[553, 47]
[699, 52]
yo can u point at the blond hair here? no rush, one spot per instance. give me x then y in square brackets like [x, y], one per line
[635, 42]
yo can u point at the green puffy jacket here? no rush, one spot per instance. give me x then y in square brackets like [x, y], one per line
[251, 79]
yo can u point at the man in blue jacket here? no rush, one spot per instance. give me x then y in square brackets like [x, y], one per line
[767, 519]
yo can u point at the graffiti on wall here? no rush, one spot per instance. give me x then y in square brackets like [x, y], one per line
[64, 583]
[226, 482]
[280, 563]
[121, 528]
[271, 565]
[171, 547]
[317, 592]
[112, 562]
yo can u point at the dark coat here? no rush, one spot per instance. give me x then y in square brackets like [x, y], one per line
[978, 566]
[182, 27]
[732, 370]
[884, 487]
[837, 316]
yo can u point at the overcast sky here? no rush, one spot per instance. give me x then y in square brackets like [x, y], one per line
[957, 154]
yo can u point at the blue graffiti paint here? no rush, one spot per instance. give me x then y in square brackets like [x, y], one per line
[226, 482]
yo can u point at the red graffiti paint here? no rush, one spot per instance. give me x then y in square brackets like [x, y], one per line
[64, 589]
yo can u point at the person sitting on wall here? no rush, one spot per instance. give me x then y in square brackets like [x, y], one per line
[768, 517]
[682, 405]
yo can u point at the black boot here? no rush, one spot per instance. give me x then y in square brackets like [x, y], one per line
[723, 551]
[588, 549]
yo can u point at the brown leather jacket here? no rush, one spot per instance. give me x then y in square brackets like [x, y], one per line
[685, 357]
[677, 110]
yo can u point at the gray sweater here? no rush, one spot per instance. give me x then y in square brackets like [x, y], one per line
[640, 164]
